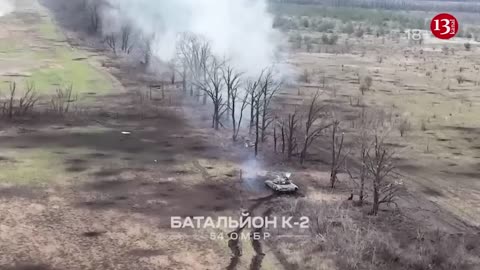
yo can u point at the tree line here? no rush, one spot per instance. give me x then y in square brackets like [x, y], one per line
[458, 6]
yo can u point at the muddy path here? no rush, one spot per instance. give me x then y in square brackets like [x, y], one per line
[257, 243]
[257, 260]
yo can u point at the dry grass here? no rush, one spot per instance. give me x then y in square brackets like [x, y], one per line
[353, 241]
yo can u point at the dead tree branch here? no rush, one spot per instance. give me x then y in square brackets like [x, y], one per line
[338, 153]
[313, 129]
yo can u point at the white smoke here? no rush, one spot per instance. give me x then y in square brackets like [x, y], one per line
[6, 6]
[240, 30]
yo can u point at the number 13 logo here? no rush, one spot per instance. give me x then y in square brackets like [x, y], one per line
[444, 26]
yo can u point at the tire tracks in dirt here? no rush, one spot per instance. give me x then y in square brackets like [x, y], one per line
[235, 244]
[205, 175]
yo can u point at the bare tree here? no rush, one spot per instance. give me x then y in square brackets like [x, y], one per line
[404, 126]
[275, 136]
[313, 129]
[9, 110]
[184, 77]
[147, 49]
[257, 106]
[25, 104]
[289, 128]
[366, 84]
[28, 100]
[261, 93]
[269, 87]
[212, 87]
[173, 72]
[367, 123]
[195, 54]
[253, 94]
[380, 166]
[126, 32]
[338, 153]
[232, 83]
[365, 139]
[60, 103]
[111, 41]
[93, 9]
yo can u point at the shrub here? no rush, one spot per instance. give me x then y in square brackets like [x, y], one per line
[306, 22]
[381, 32]
[60, 103]
[467, 46]
[348, 28]
[305, 77]
[423, 125]
[404, 127]
[22, 106]
[445, 49]
[325, 26]
[297, 40]
[359, 32]
[366, 84]
[329, 40]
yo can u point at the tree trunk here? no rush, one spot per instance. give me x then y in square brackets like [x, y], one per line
[216, 115]
[264, 117]
[275, 139]
[333, 178]
[376, 199]
[252, 112]
[303, 154]
[333, 173]
[184, 79]
[229, 94]
[257, 129]
[362, 185]
[234, 123]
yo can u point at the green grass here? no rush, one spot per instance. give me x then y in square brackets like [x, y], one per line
[80, 75]
[26, 166]
[65, 71]
[51, 63]
[48, 30]
[350, 14]
[8, 46]
[38, 164]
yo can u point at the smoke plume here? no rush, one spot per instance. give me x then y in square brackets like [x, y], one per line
[6, 6]
[240, 30]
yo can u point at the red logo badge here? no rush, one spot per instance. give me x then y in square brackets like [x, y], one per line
[444, 26]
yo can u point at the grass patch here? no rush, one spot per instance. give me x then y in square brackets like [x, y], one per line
[8, 46]
[80, 74]
[48, 30]
[27, 166]
[49, 63]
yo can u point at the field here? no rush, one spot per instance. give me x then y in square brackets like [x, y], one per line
[95, 186]
[430, 88]
[441, 142]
